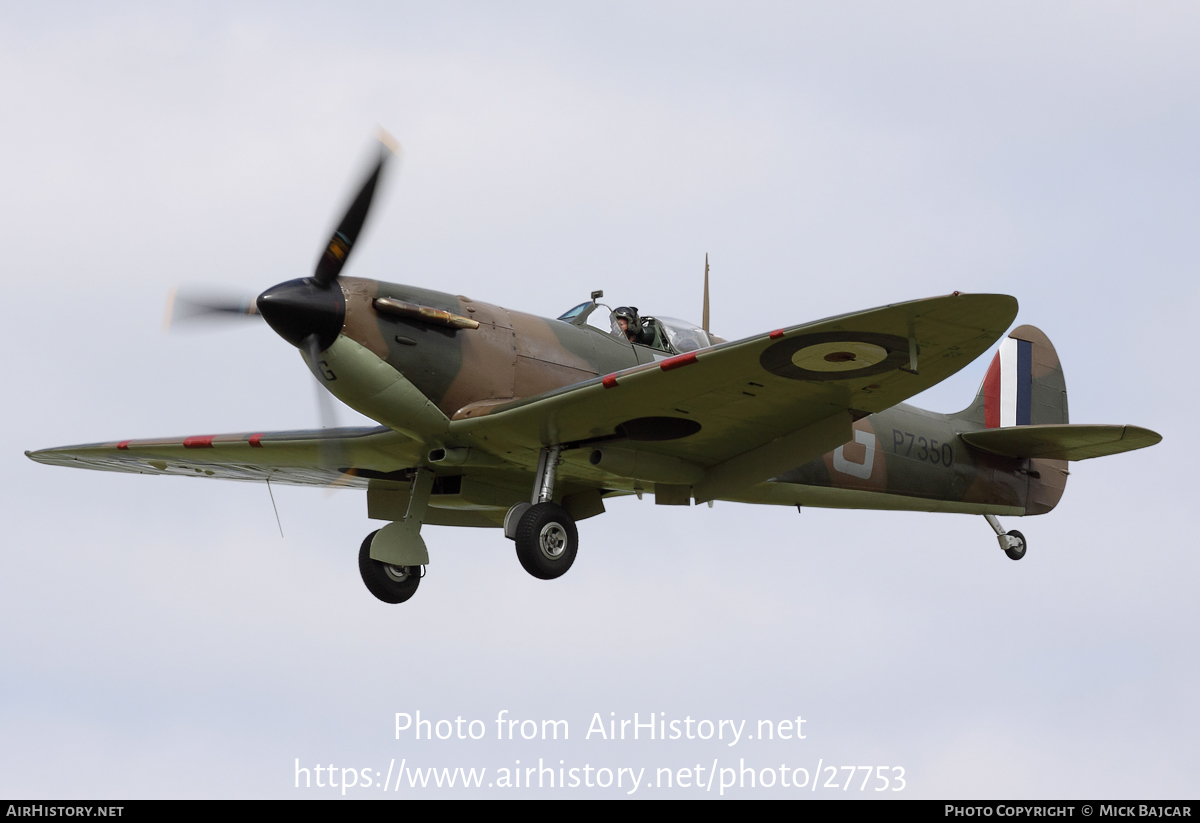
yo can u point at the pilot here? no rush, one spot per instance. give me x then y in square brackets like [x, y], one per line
[627, 320]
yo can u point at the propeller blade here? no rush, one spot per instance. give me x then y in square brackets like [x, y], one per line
[311, 347]
[342, 243]
[325, 409]
[209, 308]
[332, 454]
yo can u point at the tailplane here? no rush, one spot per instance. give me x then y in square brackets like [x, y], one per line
[1062, 442]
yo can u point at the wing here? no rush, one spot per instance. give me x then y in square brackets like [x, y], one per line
[291, 457]
[742, 412]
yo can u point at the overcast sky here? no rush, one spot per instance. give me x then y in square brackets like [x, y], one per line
[161, 640]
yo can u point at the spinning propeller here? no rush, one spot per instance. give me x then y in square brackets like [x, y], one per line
[185, 307]
[309, 312]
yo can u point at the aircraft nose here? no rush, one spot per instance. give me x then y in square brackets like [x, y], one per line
[299, 308]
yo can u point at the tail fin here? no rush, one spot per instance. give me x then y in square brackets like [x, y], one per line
[1021, 413]
[1023, 386]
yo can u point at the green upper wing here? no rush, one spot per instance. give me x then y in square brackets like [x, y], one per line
[292, 457]
[743, 411]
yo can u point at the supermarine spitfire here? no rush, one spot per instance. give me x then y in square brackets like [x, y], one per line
[491, 417]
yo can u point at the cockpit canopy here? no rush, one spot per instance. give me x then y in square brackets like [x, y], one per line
[665, 334]
[683, 336]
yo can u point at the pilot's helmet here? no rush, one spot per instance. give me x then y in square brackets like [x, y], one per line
[629, 315]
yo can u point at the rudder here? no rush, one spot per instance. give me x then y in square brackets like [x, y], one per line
[1024, 384]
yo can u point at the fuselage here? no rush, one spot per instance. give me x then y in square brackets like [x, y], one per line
[911, 459]
[901, 458]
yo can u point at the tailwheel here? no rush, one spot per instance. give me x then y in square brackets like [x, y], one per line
[1012, 542]
[1017, 545]
[391, 584]
[547, 541]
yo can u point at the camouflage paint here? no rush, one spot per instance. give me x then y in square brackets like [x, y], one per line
[511, 355]
[899, 457]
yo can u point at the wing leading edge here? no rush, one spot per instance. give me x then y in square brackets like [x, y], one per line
[290, 457]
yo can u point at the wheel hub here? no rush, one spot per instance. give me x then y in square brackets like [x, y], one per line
[553, 540]
[396, 573]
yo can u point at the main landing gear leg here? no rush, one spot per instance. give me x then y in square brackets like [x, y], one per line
[1013, 542]
[392, 560]
[545, 534]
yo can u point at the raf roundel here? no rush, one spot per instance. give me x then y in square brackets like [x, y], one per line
[835, 355]
[849, 356]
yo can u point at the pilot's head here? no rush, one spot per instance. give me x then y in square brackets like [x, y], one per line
[627, 320]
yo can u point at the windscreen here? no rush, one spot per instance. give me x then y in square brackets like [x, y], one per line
[572, 313]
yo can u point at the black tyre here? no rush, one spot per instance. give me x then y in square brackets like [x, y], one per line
[1018, 551]
[547, 541]
[391, 584]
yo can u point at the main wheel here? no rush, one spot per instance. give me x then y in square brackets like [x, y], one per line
[547, 541]
[391, 584]
[1018, 551]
